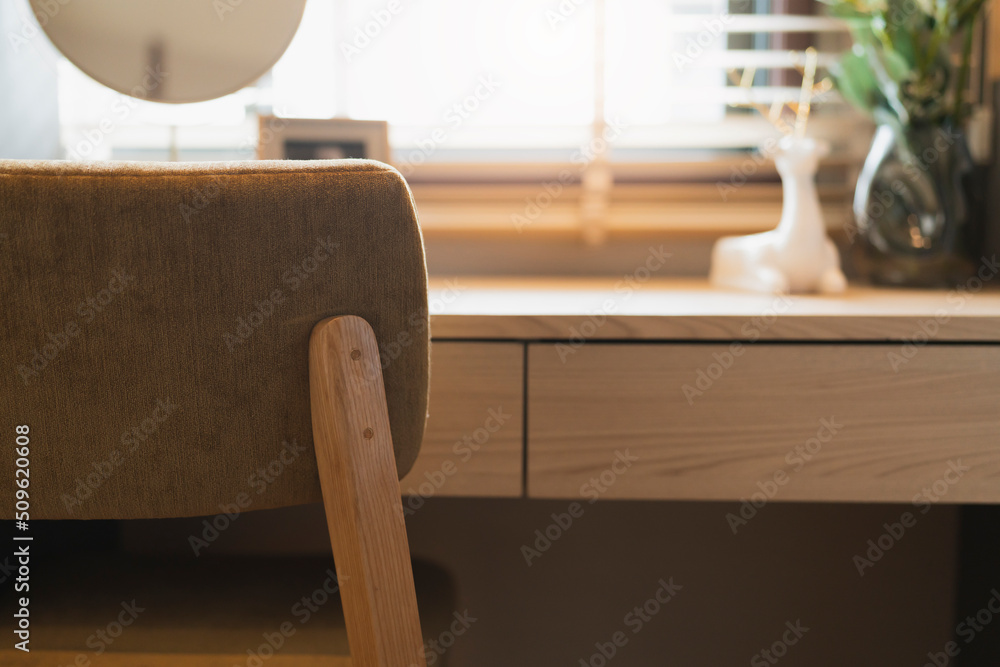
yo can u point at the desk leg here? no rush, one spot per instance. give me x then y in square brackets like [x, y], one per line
[978, 586]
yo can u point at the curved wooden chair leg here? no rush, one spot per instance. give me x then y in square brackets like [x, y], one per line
[364, 511]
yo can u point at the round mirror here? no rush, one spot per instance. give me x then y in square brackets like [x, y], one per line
[172, 50]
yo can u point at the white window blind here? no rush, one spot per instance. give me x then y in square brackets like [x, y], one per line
[421, 64]
[488, 101]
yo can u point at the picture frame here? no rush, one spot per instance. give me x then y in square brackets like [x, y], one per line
[322, 139]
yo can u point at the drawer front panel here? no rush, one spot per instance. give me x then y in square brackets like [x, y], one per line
[473, 444]
[784, 422]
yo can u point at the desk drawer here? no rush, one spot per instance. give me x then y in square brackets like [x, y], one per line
[796, 422]
[474, 441]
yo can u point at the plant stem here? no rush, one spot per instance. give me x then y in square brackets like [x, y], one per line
[963, 73]
[939, 34]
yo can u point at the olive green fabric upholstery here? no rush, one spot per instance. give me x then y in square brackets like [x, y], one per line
[156, 322]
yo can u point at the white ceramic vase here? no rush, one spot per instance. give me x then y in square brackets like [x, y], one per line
[796, 256]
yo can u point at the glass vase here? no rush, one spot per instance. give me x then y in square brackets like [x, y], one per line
[917, 208]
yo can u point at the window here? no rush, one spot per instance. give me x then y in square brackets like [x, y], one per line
[622, 106]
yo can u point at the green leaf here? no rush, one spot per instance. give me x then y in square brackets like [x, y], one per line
[897, 66]
[855, 80]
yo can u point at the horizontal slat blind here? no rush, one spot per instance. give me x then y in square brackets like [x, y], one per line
[761, 59]
[665, 64]
[532, 209]
[757, 23]
[488, 102]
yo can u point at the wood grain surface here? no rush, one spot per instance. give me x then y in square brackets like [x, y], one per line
[640, 306]
[473, 444]
[808, 422]
[357, 471]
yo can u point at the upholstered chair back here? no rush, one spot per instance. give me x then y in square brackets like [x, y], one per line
[156, 327]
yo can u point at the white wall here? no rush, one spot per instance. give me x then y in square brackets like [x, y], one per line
[29, 109]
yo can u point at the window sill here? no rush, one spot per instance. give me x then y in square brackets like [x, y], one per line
[694, 209]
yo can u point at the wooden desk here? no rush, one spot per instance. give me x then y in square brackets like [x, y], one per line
[875, 395]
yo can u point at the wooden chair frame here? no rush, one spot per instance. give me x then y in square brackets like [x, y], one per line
[364, 512]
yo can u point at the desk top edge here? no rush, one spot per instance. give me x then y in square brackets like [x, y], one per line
[690, 309]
